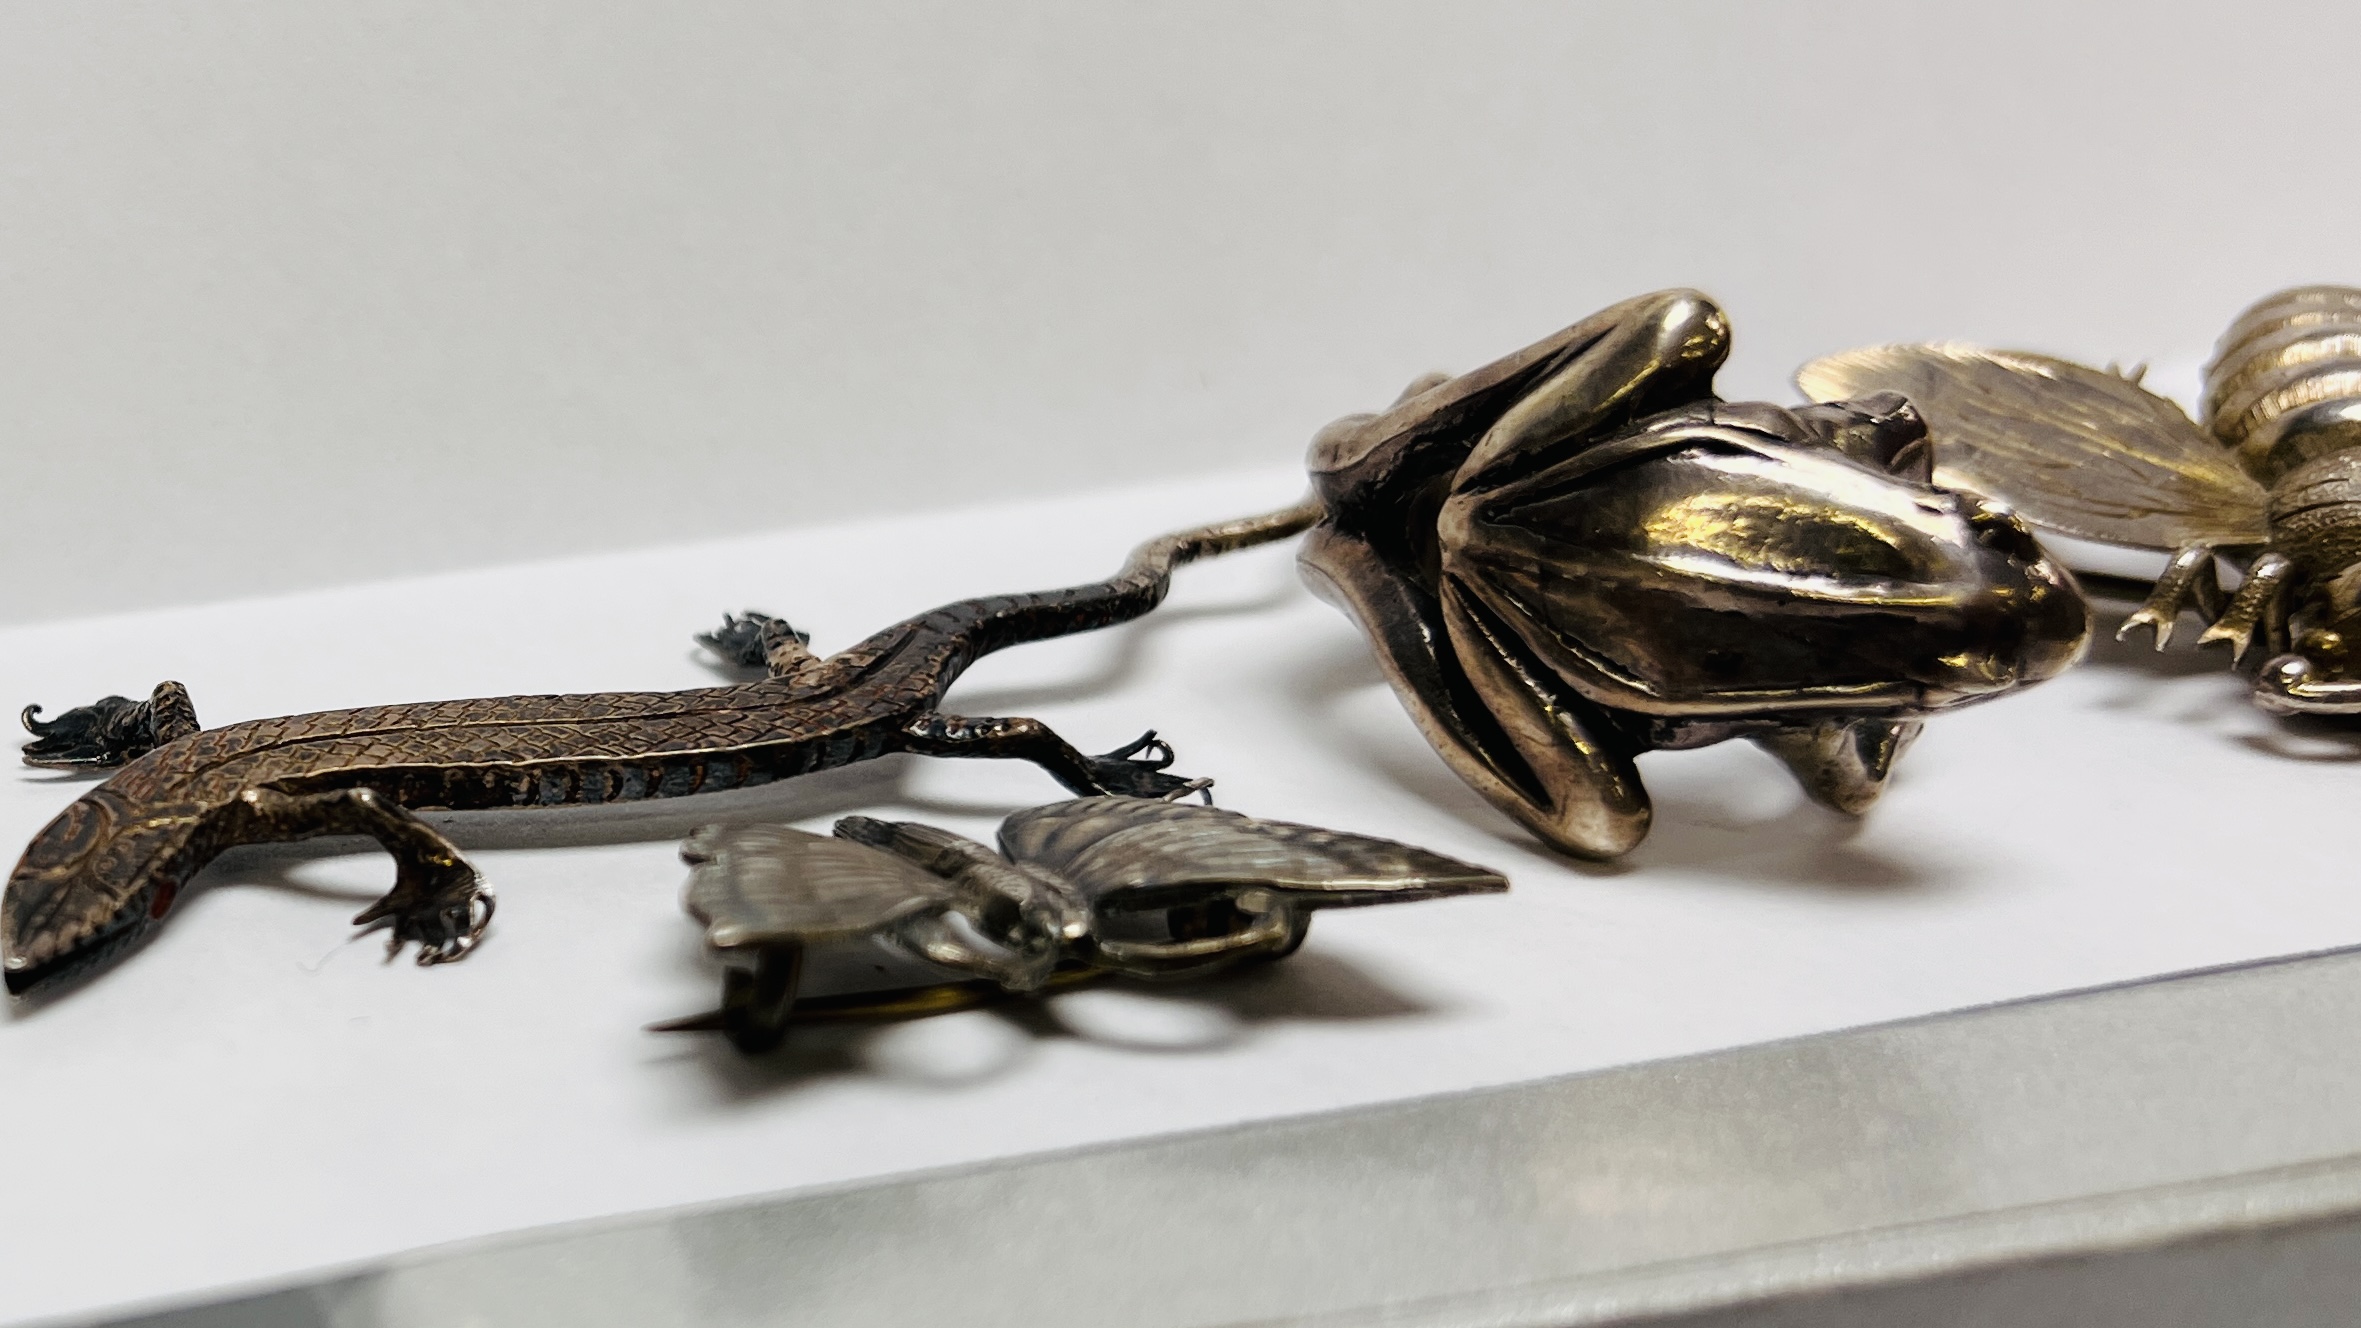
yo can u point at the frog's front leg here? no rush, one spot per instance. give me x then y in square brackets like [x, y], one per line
[110, 731]
[1842, 763]
[437, 899]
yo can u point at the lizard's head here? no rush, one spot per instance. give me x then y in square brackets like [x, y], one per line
[87, 888]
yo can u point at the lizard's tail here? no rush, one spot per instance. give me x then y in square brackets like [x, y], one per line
[1000, 621]
[1154, 560]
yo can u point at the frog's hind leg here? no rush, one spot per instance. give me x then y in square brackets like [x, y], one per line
[2189, 578]
[1137, 770]
[437, 899]
[110, 731]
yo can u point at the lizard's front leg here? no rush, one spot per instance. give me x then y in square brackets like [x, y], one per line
[110, 731]
[1134, 771]
[437, 899]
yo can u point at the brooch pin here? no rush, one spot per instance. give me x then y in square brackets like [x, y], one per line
[2271, 481]
[1577, 554]
[1133, 886]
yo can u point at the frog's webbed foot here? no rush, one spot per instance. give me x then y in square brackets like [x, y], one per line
[110, 731]
[2252, 607]
[1136, 771]
[759, 641]
[1842, 764]
[2188, 579]
[437, 899]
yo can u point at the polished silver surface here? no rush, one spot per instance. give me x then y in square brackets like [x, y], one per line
[1580, 553]
[2178, 1152]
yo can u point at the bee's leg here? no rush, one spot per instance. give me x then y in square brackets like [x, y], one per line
[2252, 606]
[1842, 764]
[1133, 771]
[2190, 575]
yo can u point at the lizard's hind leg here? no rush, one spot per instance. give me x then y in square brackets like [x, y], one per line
[437, 899]
[1134, 771]
[110, 731]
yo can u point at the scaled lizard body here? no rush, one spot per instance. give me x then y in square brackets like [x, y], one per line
[108, 868]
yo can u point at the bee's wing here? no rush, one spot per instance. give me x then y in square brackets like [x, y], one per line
[1161, 853]
[2075, 449]
[770, 884]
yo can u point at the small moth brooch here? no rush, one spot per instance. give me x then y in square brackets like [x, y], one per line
[1092, 886]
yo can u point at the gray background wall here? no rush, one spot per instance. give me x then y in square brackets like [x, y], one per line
[296, 294]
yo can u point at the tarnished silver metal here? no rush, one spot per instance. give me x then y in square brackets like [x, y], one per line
[1138, 886]
[2271, 481]
[1577, 553]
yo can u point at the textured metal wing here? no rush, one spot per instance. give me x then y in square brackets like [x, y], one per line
[1154, 852]
[768, 885]
[2076, 449]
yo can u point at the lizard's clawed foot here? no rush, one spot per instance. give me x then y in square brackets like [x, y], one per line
[110, 731]
[437, 901]
[1137, 771]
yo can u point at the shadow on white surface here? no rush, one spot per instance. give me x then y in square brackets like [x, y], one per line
[976, 1046]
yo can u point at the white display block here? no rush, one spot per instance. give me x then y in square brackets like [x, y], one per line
[257, 1093]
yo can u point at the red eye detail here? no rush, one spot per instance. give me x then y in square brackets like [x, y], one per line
[162, 901]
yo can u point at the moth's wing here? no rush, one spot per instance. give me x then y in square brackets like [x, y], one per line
[2076, 449]
[1136, 853]
[770, 884]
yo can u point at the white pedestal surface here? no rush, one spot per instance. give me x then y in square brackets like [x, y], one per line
[257, 1093]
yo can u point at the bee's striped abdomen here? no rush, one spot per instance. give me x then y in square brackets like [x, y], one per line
[2284, 388]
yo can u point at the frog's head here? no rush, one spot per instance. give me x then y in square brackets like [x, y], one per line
[1578, 553]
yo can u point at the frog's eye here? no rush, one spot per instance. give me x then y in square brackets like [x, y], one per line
[1773, 535]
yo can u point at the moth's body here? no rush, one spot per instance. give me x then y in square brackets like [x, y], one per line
[2270, 481]
[110, 866]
